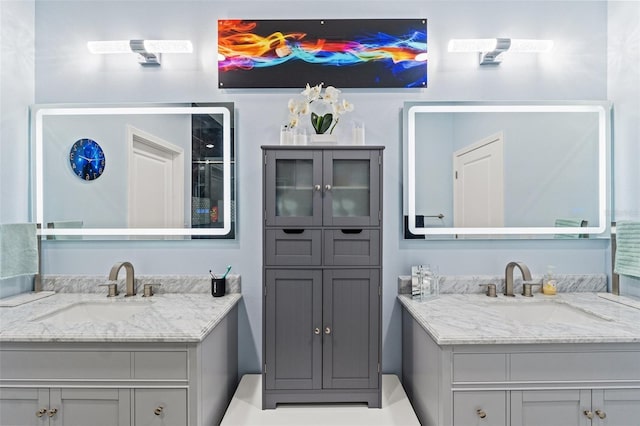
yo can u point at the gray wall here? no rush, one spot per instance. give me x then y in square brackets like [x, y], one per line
[65, 72]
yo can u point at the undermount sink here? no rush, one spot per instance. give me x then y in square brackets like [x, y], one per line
[95, 312]
[539, 312]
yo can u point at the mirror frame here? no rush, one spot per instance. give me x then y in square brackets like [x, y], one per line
[38, 162]
[602, 108]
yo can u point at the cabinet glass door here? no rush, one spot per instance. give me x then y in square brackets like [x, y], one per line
[296, 181]
[351, 188]
[294, 188]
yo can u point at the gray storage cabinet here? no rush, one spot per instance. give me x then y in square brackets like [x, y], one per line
[322, 257]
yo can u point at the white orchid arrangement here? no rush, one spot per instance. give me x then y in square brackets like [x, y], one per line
[330, 98]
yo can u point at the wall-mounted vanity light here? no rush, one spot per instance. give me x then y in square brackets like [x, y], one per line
[491, 49]
[148, 51]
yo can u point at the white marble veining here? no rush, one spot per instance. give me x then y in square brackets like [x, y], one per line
[460, 319]
[168, 283]
[465, 284]
[167, 317]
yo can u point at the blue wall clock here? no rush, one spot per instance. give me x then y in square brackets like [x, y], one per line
[87, 159]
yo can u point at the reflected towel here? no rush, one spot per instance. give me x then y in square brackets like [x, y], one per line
[628, 248]
[570, 223]
[18, 250]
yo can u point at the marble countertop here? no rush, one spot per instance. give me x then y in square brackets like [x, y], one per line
[169, 317]
[462, 319]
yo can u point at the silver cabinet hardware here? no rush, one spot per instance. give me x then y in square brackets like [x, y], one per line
[481, 413]
[317, 187]
[316, 330]
[159, 409]
[327, 187]
[601, 414]
[327, 330]
[41, 412]
[589, 414]
[53, 412]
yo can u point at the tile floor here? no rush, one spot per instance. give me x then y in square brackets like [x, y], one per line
[245, 409]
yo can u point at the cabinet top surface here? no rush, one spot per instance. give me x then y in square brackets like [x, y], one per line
[175, 318]
[464, 319]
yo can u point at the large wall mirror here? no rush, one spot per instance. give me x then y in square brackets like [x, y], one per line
[147, 172]
[478, 169]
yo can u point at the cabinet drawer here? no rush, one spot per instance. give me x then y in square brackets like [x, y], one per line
[293, 247]
[352, 247]
[606, 365]
[480, 408]
[65, 365]
[479, 367]
[160, 365]
[160, 407]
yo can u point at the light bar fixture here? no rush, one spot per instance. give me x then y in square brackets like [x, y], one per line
[148, 51]
[491, 49]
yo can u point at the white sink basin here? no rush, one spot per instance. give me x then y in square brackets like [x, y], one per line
[538, 312]
[94, 312]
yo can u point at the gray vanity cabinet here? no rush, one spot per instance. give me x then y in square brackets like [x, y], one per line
[64, 406]
[581, 407]
[322, 268]
[561, 384]
[120, 383]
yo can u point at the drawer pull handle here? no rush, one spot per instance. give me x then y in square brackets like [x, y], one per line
[53, 412]
[589, 414]
[351, 231]
[41, 412]
[158, 410]
[327, 330]
[601, 414]
[293, 231]
[481, 413]
[316, 330]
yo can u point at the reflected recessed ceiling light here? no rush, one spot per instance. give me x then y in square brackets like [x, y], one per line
[148, 51]
[209, 145]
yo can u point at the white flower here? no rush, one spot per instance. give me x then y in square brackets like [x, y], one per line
[324, 122]
[331, 95]
[312, 93]
[293, 121]
[340, 108]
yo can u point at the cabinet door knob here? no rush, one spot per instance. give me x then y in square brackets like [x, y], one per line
[317, 187]
[316, 330]
[327, 330]
[601, 414]
[589, 414]
[41, 412]
[327, 187]
[481, 413]
[158, 410]
[53, 412]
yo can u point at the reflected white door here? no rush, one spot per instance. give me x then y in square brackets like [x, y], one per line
[478, 186]
[156, 182]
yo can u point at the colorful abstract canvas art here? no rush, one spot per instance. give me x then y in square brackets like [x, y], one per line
[356, 53]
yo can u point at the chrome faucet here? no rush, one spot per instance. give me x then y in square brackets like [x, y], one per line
[130, 278]
[508, 276]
